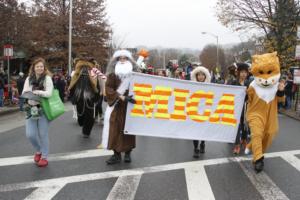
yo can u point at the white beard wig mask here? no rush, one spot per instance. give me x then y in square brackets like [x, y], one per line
[123, 69]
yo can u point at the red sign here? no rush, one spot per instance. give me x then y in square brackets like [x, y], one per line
[8, 51]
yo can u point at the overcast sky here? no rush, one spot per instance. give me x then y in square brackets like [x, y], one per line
[168, 23]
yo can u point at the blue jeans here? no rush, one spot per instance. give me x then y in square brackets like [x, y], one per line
[21, 103]
[1, 97]
[37, 133]
[288, 102]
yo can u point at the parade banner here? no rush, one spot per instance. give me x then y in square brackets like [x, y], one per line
[173, 108]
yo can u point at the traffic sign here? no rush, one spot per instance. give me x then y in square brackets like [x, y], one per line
[8, 51]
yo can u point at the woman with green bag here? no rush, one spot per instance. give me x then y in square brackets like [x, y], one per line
[39, 82]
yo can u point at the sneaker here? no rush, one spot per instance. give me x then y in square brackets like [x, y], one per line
[196, 153]
[43, 162]
[99, 146]
[114, 159]
[37, 157]
[247, 151]
[236, 149]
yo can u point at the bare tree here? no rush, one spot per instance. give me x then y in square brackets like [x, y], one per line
[277, 19]
[208, 57]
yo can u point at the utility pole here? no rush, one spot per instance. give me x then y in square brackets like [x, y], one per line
[70, 37]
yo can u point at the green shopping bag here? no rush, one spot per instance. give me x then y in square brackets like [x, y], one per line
[53, 107]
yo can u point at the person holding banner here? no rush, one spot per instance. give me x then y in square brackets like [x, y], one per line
[200, 74]
[39, 82]
[116, 88]
[241, 80]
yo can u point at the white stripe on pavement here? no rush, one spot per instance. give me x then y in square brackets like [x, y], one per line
[292, 160]
[44, 193]
[101, 152]
[129, 172]
[56, 157]
[125, 188]
[263, 183]
[197, 183]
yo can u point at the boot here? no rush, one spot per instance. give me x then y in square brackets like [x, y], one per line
[202, 147]
[259, 165]
[196, 153]
[114, 159]
[127, 157]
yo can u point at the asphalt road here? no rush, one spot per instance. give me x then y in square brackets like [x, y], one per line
[160, 169]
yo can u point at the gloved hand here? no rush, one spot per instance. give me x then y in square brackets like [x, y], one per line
[130, 99]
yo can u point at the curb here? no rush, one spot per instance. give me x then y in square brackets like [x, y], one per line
[12, 110]
[290, 115]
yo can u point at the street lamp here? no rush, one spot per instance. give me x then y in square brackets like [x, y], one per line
[70, 37]
[204, 33]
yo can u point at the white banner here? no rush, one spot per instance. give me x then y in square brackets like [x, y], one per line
[181, 109]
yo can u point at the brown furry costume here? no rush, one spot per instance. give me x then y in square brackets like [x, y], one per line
[84, 91]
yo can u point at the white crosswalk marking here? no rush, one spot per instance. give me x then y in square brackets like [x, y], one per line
[263, 183]
[56, 157]
[125, 188]
[128, 180]
[44, 193]
[197, 183]
[292, 160]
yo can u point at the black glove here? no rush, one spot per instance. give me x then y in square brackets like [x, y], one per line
[130, 99]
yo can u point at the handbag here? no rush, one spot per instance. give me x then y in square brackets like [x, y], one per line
[53, 107]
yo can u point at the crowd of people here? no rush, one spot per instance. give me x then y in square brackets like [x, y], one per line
[88, 87]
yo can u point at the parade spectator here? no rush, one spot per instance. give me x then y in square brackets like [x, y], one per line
[40, 83]
[288, 90]
[1, 90]
[280, 105]
[117, 88]
[231, 74]
[178, 74]
[20, 86]
[61, 86]
[200, 74]
[188, 71]
[242, 72]
[161, 72]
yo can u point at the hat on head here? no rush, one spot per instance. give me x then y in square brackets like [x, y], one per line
[122, 52]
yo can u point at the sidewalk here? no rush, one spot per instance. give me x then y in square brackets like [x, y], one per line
[290, 113]
[8, 109]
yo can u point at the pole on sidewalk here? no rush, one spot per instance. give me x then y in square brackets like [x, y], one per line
[70, 38]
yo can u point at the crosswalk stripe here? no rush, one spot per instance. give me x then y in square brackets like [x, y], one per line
[101, 152]
[263, 183]
[125, 188]
[129, 172]
[56, 157]
[44, 193]
[197, 183]
[292, 160]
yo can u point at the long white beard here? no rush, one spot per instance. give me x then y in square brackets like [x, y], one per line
[123, 69]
